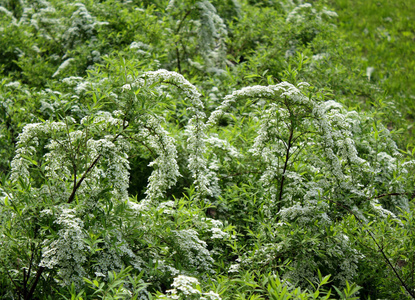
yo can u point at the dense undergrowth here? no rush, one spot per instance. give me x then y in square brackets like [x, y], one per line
[205, 150]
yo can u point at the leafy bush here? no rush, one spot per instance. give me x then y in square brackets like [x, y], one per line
[238, 179]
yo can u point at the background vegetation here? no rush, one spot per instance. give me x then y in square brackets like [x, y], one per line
[207, 149]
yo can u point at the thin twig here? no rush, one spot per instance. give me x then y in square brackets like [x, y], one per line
[177, 46]
[287, 157]
[76, 187]
[408, 290]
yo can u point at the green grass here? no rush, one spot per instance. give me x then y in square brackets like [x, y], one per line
[383, 34]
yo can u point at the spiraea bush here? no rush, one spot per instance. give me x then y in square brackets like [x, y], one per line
[187, 150]
[310, 161]
[74, 177]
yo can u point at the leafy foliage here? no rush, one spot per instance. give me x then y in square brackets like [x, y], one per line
[198, 150]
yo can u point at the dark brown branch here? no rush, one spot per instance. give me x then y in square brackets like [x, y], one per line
[182, 20]
[32, 289]
[178, 59]
[287, 157]
[76, 187]
[177, 45]
[24, 281]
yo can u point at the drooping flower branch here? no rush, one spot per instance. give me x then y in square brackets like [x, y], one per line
[76, 160]
[298, 137]
[195, 130]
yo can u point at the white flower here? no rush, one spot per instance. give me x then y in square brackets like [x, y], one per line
[186, 285]
[217, 233]
[210, 296]
[63, 66]
[204, 179]
[234, 268]
[13, 84]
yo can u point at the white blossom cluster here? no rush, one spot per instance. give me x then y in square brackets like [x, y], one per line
[299, 13]
[204, 178]
[166, 207]
[212, 36]
[324, 127]
[166, 170]
[63, 66]
[307, 213]
[27, 142]
[216, 143]
[260, 92]
[193, 249]
[63, 164]
[215, 228]
[313, 153]
[67, 252]
[141, 48]
[13, 84]
[210, 30]
[234, 268]
[269, 144]
[185, 287]
[83, 26]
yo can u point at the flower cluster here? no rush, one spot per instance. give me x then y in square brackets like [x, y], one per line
[306, 10]
[67, 252]
[209, 28]
[83, 26]
[64, 166]
[193, 249]
[186, 287]
[195, 130]
[313, 154]
[166, 169]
